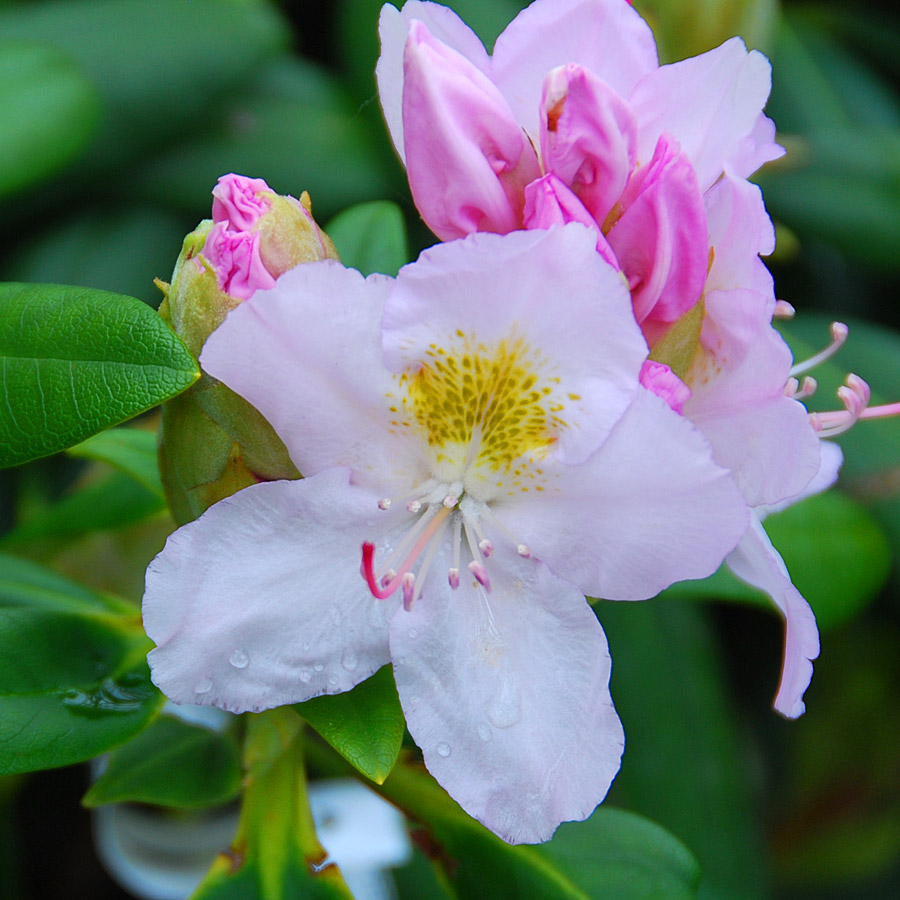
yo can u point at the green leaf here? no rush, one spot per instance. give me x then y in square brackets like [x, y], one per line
[364, 725]
[49, 112]
[158, 64]
[131, 450]
[74, 361]
[171, 763]
[73, 679]
[371, 237]
[275, 854]
[684, 766]
[614, 854]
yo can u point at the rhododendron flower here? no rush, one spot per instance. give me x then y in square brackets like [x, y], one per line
[573, 120]
[479, 454]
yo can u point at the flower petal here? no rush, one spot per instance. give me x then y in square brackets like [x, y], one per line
[757, 562]
[660, 240]
[709, 103]
[649, 508]
[393, 30]
[467, 159]
[549, 288]
[307, 355]
[260, 602]
[507, 695]
[588, 137]
[605, 36]
[738, 401]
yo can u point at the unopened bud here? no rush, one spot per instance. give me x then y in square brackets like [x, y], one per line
[212, 442]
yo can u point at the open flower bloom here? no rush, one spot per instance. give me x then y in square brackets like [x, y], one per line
[572, 119]
[475, 435]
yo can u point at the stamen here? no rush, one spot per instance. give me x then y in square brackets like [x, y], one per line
[796, 391]
[413, 506]
[453, 574]
[854, 394]
[783, 310]
[450, 501]
[408, 583]
[453, 577]
[382, 592]
[524, 551]
[384, 503]
[426, 565]
[486, 548]
[881, 412]
[839, 333]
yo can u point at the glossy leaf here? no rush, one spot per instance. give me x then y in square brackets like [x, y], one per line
[170, 763]
[49, 111]
[613, 854]
[76, 361]
[275, 854]
[684, 766]
[364, 725]
[131, 450]
[370, 237]
[73, 679]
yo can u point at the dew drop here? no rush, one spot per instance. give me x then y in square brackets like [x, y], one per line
[349, 659]
[333, 680]
[319, 667]
[203, 687]
[306, 648]
[443, 750]
[484, 731]
[505, 707]
[239, 659]
[413, 633]
[305, 676]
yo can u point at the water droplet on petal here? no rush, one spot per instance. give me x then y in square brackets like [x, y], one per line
[306, 648]
[333, 680]
[443, 750]
[305, 676]
[484, 731]
[349, 659]
[505, 707]
[319, 667]
[239, 659]
[203, 687]
[413, 633]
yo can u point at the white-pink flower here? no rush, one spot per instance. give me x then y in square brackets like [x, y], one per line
[572, 119]
[474, 433]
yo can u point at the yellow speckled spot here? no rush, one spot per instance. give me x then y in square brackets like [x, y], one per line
[485, 406]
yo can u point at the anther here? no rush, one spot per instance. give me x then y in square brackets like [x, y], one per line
[524, 551]
[453, 578]
[839, 332]
[384, 503]
[480, 574]
[797, 391]
[408, 586]
[413, 506]
[450, 501]
[486, 548]
[783, 310]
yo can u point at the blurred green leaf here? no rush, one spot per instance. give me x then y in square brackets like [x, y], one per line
[121, 250]
[275, 854]
[683, 766]
[371, 237]
[73, 679]
[76, 361]
[613, 854]
[158, 64]
[170, 763]
[131, 450]
[49, 112]
[295, 125]
[108, 503]
[364, 725]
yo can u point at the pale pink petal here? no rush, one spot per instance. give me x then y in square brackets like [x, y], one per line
[236, 201]
[709, 103]
[663, 382]
[739, 230]
[660, 240]
[549, 289]
[235, 258]
[757, 562]
[549, 202]
[755, 150]
[605, 36]
[648, 508]
[467, 159]
[738, 400]
[393, 29]
[259, 602]
[507, 695]
[307, 355]
[832, 458]
[588, 137]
